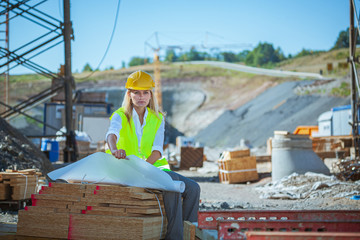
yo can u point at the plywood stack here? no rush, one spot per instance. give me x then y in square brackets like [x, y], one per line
[18, 185]
[89, 211]
[237, 166]
[332, 146]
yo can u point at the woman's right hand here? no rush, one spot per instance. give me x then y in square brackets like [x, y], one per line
[119, 153]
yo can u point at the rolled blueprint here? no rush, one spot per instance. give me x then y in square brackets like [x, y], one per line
[106, 169]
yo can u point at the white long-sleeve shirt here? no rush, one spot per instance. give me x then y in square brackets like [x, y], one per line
[116, 125]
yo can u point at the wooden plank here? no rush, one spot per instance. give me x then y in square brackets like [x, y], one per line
[40, 209]
[189, 231]
[143, 211]
[76, 206]
[118, 188]
[65, 210]
[18, 237]
[105, 213]
[56, 197]
[51, 203]
[68, 186]
[134, 206]
[120, 201]
[53, 233]
[18, 177]
[23, 178]
[19, 188]
[112, 209]
[29, 171]
[106, 227]
[263, 159]
[33, 219]
[235, 154]
[125, 194]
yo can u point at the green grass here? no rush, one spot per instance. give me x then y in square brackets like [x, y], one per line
[27, 78]
[342, 91]
[190, 71]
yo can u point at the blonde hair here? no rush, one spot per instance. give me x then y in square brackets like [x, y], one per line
[129, 106]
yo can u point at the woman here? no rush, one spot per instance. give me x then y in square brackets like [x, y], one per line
[137, 128]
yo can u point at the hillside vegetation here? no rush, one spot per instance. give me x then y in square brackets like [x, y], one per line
[22, 86]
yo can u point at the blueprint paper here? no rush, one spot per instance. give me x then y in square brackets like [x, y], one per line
[106, 169]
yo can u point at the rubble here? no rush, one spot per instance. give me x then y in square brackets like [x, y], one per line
[309, 185]
[17, 152]
[347, 169]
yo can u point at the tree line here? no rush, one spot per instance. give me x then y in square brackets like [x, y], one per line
[263, 55]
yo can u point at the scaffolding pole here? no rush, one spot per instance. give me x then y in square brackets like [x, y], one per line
[70, 149]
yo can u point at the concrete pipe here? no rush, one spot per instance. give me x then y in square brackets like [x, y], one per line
[293, 153]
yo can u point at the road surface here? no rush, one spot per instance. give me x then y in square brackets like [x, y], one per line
[254, 70]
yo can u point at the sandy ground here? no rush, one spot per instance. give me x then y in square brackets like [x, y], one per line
[215, 195]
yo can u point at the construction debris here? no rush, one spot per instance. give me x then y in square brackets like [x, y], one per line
[237, 166]
[17, 152]
[91, 211]
[18, 185]
[309, 185]
[347, 169]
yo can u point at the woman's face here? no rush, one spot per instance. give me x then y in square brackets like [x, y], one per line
[140, 98]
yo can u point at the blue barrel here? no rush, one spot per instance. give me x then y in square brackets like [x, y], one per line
[54, 151]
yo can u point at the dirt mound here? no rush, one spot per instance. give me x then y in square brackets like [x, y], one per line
[16, 151]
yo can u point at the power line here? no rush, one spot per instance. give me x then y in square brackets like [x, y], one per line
[108, 46]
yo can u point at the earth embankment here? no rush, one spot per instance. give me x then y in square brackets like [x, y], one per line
[278, 108]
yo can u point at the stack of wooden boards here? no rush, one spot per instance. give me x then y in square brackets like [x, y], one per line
[18, 185]
[332, 146]
[237, 166]
[91, 211]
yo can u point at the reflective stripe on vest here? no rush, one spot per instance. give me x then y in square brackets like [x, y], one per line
[129, 141]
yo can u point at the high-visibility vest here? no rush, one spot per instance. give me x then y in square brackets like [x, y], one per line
[129, 142]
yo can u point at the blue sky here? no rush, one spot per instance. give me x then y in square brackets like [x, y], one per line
[289, 24]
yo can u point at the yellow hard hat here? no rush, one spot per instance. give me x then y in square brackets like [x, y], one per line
[140, 80]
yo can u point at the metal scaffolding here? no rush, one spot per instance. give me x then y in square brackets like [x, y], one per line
[56, 32]
[355, 89]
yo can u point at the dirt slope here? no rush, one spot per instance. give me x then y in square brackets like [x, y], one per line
[278, 108]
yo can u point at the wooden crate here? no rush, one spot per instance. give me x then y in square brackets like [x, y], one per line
[238, 170]
[191, 157]
[236, 154]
